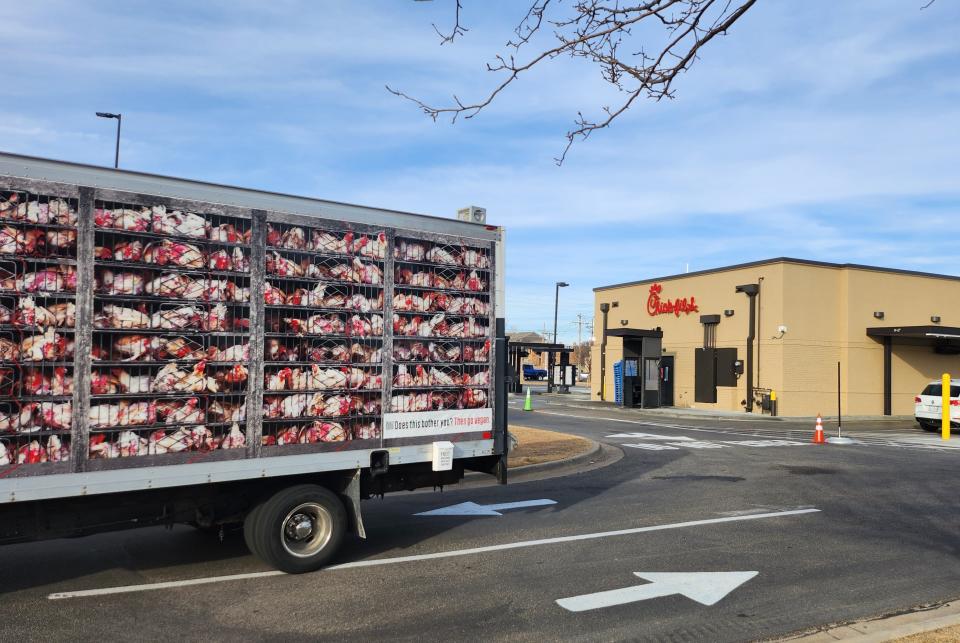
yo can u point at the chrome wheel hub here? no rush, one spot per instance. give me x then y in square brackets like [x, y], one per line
[306, 530]
[300, 527]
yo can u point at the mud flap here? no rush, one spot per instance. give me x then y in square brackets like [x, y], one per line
[351, 496]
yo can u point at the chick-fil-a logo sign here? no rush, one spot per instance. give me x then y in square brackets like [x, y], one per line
[656, 306]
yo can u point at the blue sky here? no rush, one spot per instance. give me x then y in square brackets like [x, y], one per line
[822, 129]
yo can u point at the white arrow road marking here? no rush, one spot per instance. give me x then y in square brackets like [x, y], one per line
[649, 446]
[472, 551]
[649, 436]
[473, 509]
[706, 588]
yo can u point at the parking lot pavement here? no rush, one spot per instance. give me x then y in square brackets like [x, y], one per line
[801, 536]
[880, 431]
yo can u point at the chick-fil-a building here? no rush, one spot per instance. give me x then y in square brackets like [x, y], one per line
[797, 331]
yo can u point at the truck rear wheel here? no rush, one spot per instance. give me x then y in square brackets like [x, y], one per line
[297, 530]
[249, 529]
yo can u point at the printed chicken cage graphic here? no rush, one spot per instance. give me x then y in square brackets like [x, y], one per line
[140, 330]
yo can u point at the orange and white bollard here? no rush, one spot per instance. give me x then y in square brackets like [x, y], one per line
[818, 431]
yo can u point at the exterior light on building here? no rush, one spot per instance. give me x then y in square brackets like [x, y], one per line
[935, 319]
[878, 314]
[728, 312]
[624, 322]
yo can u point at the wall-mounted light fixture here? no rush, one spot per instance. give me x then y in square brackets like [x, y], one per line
[615, 304]
[935, 319]
[624, 322]
[728, 312]
[878, 314]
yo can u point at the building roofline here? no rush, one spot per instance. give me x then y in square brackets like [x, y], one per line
[793, 260]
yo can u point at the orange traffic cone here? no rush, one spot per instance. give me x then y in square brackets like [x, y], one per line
[818, 431]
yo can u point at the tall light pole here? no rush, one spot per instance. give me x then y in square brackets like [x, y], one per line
[556, 304]
[119, 117]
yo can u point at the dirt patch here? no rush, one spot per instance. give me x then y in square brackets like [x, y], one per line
[946, 635]
[538, 446]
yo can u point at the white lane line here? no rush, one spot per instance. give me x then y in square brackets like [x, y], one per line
[899, 442]
[649, 436]
[650, 446]
[765, 443]
[127, 589]
[722, 430]
[698, 445]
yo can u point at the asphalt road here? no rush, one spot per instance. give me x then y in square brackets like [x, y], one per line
[885, 537]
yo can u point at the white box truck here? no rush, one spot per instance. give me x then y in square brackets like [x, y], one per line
[173, 351]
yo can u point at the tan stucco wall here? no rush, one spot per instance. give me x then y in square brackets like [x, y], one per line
[826, 311]
[905, 301]
[714, 293]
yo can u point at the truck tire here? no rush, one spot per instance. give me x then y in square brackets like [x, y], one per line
[249, 529]
[298, 529]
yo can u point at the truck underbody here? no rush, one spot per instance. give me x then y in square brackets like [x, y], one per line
[211, 505]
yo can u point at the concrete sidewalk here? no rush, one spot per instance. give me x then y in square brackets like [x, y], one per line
[922, 620]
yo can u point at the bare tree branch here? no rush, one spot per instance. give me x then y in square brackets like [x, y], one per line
[458, 29]
[598, 31]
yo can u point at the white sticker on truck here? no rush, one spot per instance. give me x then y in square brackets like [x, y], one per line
[427, 423]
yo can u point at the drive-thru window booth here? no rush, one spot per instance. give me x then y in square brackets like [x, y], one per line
[731, 338]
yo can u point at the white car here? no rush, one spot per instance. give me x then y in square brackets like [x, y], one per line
[928, 406]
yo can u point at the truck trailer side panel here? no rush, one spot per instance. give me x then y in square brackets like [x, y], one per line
[158, 332]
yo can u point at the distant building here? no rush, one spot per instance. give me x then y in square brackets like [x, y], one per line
[534, 358]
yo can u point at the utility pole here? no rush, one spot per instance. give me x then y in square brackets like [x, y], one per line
[580, 322]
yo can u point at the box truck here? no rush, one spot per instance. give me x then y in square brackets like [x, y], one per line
[173, 351]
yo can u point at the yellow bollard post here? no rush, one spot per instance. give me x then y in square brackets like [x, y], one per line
[945, 406]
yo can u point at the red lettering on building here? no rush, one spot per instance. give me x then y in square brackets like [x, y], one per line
[656, 306]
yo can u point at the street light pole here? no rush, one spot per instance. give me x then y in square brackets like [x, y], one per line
[556, 305]
[119, 117]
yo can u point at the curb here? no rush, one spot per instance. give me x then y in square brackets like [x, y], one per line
[597, 452]
[924, 618]
[556, 464]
